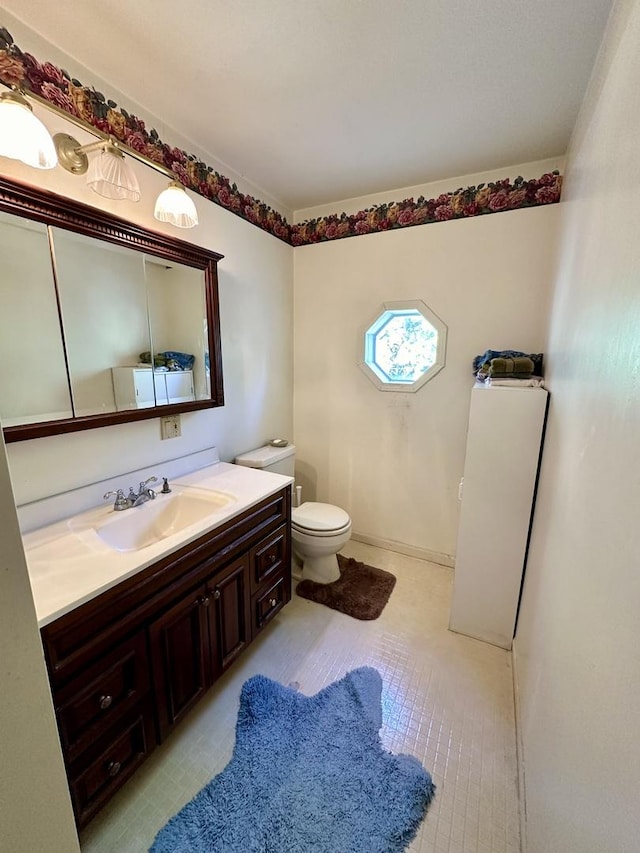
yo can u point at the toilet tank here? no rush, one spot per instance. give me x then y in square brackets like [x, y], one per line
[278, 460]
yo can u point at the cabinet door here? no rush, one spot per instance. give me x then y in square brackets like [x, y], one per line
[133, 389]
[181, 657]
[179, 386]
[500, 472]
[160, 387]
[229, 624]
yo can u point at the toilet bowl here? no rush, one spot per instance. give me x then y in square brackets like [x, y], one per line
[318, 532]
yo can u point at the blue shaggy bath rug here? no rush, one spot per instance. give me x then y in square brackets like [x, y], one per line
[308, 775]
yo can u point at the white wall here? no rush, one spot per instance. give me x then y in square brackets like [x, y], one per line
[255, 281]
[35, 809]
[394, 460]
[576, 648]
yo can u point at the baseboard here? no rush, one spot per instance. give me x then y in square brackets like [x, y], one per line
[408, 550]
[522, 788]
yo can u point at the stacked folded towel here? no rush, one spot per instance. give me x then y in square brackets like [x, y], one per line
[519, 367]
[169, 360]
[536, 358]
[509, 368]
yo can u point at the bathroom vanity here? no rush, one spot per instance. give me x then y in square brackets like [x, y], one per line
[144, 633]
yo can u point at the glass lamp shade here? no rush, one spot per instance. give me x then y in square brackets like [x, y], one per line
[110, 176]
[23, 136]
[173, 205]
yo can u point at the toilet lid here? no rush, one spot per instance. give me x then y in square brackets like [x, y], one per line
[319, 516]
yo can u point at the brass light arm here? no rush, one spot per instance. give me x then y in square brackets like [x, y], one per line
[73, 156]
[84, 125]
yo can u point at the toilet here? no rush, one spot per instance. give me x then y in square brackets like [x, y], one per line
[318, 530]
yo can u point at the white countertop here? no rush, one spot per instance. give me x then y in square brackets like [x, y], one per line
[69, 563]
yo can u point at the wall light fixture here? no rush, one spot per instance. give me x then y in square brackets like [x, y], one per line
[108, 174]
[22, 135]
[174, 205]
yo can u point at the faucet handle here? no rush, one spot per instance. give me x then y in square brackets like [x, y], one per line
[120, 502]
[118, 493]
[144, 488]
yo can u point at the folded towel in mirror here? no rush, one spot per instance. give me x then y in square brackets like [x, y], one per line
[170, 360]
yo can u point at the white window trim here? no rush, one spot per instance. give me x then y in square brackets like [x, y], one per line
[365, 344]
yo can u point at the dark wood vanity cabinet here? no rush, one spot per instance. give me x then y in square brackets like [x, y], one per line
[128, 665]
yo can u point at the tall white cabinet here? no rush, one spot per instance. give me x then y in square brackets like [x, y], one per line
[500, 469]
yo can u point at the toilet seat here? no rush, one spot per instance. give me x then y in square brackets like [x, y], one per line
[319, 519]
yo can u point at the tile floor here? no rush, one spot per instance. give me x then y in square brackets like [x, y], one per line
[447, 699]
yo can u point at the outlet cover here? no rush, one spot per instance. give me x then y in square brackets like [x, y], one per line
[170, 426]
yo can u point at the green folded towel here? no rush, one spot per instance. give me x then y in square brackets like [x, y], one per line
[518, 366]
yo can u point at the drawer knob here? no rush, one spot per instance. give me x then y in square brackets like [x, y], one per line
[113, 768]
[204, 601]
[273, 601]
[272, 558]
[216, 594]
[105, 702]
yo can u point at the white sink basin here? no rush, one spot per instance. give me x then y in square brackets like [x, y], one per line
[138, 527]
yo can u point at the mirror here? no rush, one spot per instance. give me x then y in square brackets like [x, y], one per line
[101, 322]
[104, 315]
[178, 324]
[33, 382]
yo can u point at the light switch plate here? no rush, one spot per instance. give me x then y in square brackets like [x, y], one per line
[170, 426]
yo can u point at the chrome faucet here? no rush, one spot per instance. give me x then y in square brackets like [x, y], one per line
[144, 492]
[132, 499]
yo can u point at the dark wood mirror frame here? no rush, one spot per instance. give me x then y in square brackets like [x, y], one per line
[51, 209]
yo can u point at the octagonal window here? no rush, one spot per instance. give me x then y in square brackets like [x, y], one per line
[404, 346]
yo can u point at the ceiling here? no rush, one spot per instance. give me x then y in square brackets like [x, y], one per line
[316, 101]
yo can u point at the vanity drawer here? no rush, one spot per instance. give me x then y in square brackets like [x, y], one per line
[90, 703]
[270, 602]
[269, 558]
[102, 770]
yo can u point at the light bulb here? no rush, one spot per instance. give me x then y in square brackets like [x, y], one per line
[23, 136]
[173, 205]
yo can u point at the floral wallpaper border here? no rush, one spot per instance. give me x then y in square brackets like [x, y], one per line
[65, 92]
[492, 197]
